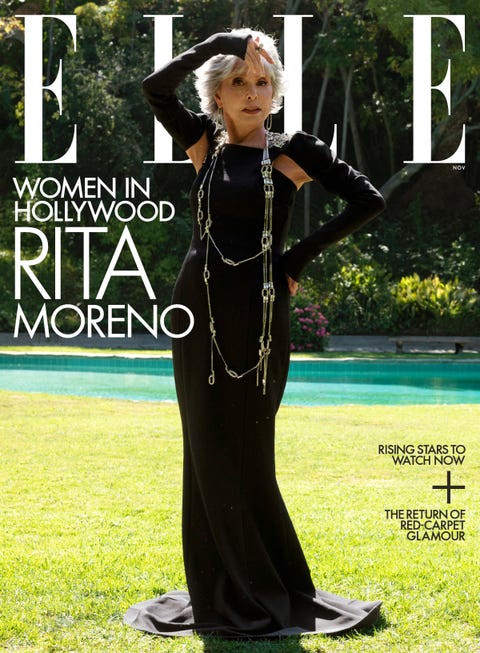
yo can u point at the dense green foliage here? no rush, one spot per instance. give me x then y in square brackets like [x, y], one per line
[363, 298]
[434, 307]
[357, 73]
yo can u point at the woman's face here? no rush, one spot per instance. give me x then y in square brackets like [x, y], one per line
[245, 97]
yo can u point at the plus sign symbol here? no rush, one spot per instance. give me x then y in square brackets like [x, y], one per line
[448, 487]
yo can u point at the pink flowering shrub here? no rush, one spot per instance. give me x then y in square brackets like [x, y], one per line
[308, 327]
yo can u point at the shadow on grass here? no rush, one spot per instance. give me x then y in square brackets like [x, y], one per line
[291, 644]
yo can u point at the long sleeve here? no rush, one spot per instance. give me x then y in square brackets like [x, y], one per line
[364, 201]
[185, 126]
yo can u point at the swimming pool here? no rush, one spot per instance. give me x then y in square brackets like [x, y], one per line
[312, 383]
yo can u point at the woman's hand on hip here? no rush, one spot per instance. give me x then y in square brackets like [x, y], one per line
[292, 285]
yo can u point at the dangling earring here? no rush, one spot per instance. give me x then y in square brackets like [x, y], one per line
[268, 122]
[220, 120]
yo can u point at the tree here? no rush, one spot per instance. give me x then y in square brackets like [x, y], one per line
[357, 58]
[465, 106]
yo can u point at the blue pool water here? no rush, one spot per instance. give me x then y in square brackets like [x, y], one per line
[313, 383]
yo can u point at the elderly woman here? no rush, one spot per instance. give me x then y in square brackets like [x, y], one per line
[246, 572]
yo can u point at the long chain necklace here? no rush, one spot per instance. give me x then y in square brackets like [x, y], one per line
[265, 251]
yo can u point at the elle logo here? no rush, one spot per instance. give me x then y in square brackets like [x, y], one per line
[422, 85]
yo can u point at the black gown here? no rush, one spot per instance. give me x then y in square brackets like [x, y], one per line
[246, 573]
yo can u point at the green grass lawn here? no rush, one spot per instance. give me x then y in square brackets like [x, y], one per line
[90, 523]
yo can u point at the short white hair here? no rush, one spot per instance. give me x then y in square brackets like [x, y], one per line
[212, 73]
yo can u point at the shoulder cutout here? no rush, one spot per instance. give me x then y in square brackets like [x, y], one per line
[290, 169]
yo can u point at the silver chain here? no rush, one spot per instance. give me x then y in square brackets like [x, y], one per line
[268, 290]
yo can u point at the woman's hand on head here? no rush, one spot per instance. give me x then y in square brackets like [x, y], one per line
[292, 285]
[255, 55]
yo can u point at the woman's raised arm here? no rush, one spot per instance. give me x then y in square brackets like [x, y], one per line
[185, 126]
